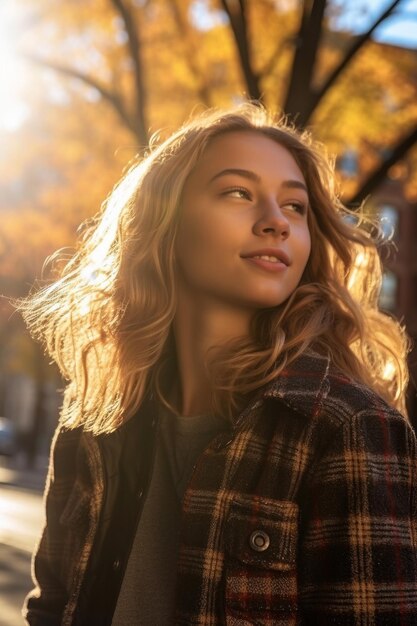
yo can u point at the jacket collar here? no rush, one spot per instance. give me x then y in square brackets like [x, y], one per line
[303, 386]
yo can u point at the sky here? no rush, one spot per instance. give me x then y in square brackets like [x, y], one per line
[356, 15]
[399, 29]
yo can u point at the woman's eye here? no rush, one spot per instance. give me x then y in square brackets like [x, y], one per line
[298, 207]
[238, 192]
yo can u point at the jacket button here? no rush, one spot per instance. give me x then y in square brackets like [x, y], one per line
[259, 541]
[116, 564]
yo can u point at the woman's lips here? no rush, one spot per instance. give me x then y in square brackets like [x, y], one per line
[268, 265]
[270, 259]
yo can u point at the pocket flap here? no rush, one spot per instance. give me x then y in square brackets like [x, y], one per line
[262, 532]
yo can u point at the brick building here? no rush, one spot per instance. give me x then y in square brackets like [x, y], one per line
[399, 289]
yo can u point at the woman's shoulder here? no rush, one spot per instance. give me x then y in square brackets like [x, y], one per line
[315, 388]
[331, 414]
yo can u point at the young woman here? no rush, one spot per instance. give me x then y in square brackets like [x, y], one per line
[229, 449]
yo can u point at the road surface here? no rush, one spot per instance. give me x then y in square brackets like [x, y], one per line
[21, 519]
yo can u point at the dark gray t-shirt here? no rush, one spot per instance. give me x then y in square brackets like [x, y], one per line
[147, 593]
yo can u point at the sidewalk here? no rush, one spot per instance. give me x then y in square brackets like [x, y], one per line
[13, 474]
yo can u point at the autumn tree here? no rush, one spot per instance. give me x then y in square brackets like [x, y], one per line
[101, 76]
[282, 53]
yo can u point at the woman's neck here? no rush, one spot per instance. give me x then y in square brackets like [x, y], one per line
[198, 329]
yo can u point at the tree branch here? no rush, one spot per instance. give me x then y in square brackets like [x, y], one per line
[307, 43]
[377, 176]
[236, 12]
[111, 96]
[316, 96]
[135, 51]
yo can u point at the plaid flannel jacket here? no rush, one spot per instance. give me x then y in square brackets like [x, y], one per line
[306, 515]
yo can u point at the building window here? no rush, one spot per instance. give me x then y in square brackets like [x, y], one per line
[388, 219]
[347, 163]
[388, 295]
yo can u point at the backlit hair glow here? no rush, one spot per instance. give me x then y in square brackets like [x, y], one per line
[107, 318]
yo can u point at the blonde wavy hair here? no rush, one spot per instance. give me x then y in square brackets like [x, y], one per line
[106, 319]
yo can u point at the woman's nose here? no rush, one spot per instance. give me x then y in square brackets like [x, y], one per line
[272, 221]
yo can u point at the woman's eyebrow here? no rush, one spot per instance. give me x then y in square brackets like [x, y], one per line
[288, 184]
[239, 172]
[294, 184]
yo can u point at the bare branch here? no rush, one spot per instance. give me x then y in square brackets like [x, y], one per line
[111, 96]
[352, 52]
[396, 154]
[236, 12]
[135, 51]
[307, 43]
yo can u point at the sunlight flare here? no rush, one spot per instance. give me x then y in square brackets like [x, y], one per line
[13, 107]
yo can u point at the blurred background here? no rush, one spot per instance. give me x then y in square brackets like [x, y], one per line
[83, 86]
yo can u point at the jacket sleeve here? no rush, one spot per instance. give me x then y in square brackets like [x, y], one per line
[358, 552]
[45, 604]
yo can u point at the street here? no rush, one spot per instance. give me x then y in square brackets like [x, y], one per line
[21, 519]
[14, 584]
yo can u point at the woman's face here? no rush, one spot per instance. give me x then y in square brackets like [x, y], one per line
[243, 238]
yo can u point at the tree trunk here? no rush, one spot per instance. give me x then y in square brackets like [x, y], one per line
[236, 12]
[302, 98]
[300, 92]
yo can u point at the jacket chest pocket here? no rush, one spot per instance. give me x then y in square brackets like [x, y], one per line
[261, 546]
